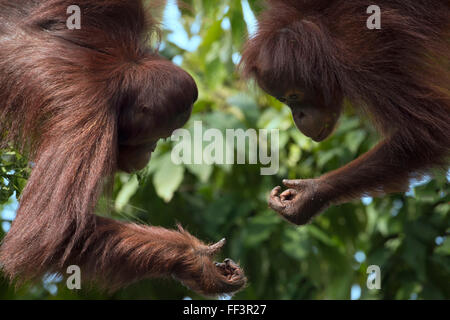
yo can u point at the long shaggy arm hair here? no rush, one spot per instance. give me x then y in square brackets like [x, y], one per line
[62, 96]
[398, 76]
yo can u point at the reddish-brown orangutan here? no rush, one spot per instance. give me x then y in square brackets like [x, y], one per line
[83, 103]
[311, 54]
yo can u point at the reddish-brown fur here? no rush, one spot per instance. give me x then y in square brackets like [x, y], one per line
[398, 76]
[68, 98]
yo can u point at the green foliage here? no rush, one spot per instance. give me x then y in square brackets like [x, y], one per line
[406, 235]
[14, 173]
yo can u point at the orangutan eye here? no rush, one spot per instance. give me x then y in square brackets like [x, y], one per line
[282, 99]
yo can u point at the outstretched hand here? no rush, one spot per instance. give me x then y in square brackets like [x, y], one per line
[205, 276]
[301, 202]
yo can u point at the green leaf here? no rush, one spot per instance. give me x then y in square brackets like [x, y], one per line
[167, 178]
[354, 139]
[201, 171]
[294, 243]
[260, 228]
[444, 248]
[126, 192]
[320, 235]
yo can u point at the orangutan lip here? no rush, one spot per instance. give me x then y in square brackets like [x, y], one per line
[321, 134]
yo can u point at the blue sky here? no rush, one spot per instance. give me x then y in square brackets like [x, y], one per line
[179, 36]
